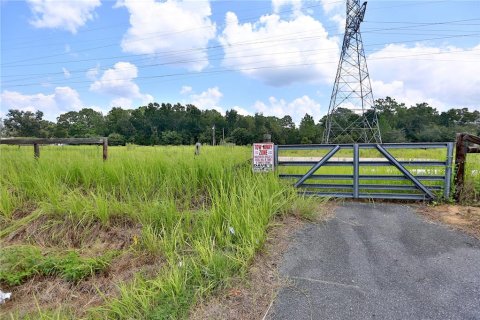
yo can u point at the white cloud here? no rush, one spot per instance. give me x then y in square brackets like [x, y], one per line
[339, 20]
[331, 5]
[67, 15]
[296, 108]
[295, 4]
[242, 111]
[118, 82]
[180, 26]
[92, 73]
[185, 90]
[280, 52]
[63, 99]
[336, 12]
[121, 102]
[66, 73]
[207, 99]
[444, 77]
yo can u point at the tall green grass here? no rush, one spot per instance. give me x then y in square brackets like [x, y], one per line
[472, 177]
[74, 181]
[205, 215]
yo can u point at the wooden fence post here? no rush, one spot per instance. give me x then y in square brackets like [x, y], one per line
[460, 157]
[105, 149]
[36, 151]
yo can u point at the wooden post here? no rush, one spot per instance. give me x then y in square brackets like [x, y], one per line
[213, 136]
[197, 148]
[460, 157]
[36, 151]
[105, 149]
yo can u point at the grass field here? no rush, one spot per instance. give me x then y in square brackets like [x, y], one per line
[146, 234]
[472, 177]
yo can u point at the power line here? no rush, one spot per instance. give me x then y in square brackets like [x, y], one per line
[208, 47]
[176, 52]
[159, 34]
[240, 55]
[89, 29]
[254, 68]
[409, 4]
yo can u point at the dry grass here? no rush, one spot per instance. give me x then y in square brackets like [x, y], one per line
[250, 297]
[76, 298]
[48, 232]
[91, 239]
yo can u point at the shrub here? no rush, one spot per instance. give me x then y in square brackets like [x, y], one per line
[116, 139]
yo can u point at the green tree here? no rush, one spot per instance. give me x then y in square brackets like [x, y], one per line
[118, 121]
[26, 124]
[308, 132]
[242, 136]
[171, 138]
[289, 131]
[84, 123]
[116, 139]
[231, 118]
[177, 124]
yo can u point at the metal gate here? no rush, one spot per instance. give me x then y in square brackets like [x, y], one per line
[408, 171]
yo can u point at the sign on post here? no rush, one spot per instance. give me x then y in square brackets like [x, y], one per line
[263, 157]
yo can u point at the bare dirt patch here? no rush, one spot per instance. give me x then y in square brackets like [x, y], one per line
[90, 240]
[251, 297]
[47, 232]
[465, 218]
[52, 293]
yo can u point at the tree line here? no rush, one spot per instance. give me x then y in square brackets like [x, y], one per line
[167, 124]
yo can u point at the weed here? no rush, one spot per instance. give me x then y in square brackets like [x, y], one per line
[19, 263]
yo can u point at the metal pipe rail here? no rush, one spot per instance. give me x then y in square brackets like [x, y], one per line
[409, 181]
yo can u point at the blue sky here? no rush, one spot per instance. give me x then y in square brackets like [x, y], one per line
[276, 57]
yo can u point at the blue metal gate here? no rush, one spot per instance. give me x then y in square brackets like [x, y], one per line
[395, 171]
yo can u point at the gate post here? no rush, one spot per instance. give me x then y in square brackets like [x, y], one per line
[355, 170]
[275, 156]
[448, 171]
[460, 156]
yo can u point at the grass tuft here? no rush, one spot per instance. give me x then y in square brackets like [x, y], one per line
[19, 263]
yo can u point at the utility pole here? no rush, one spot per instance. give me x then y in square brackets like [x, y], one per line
[352, 116]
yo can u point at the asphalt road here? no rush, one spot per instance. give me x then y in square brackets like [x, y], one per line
[379, 261]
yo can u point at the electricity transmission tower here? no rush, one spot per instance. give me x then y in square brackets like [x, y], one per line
[351, 115]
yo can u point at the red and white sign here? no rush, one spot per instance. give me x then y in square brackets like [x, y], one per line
[263, 157]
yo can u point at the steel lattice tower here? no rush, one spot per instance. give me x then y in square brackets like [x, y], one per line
[351, 115]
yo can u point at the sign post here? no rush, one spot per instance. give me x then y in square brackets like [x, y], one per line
[263, 157]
